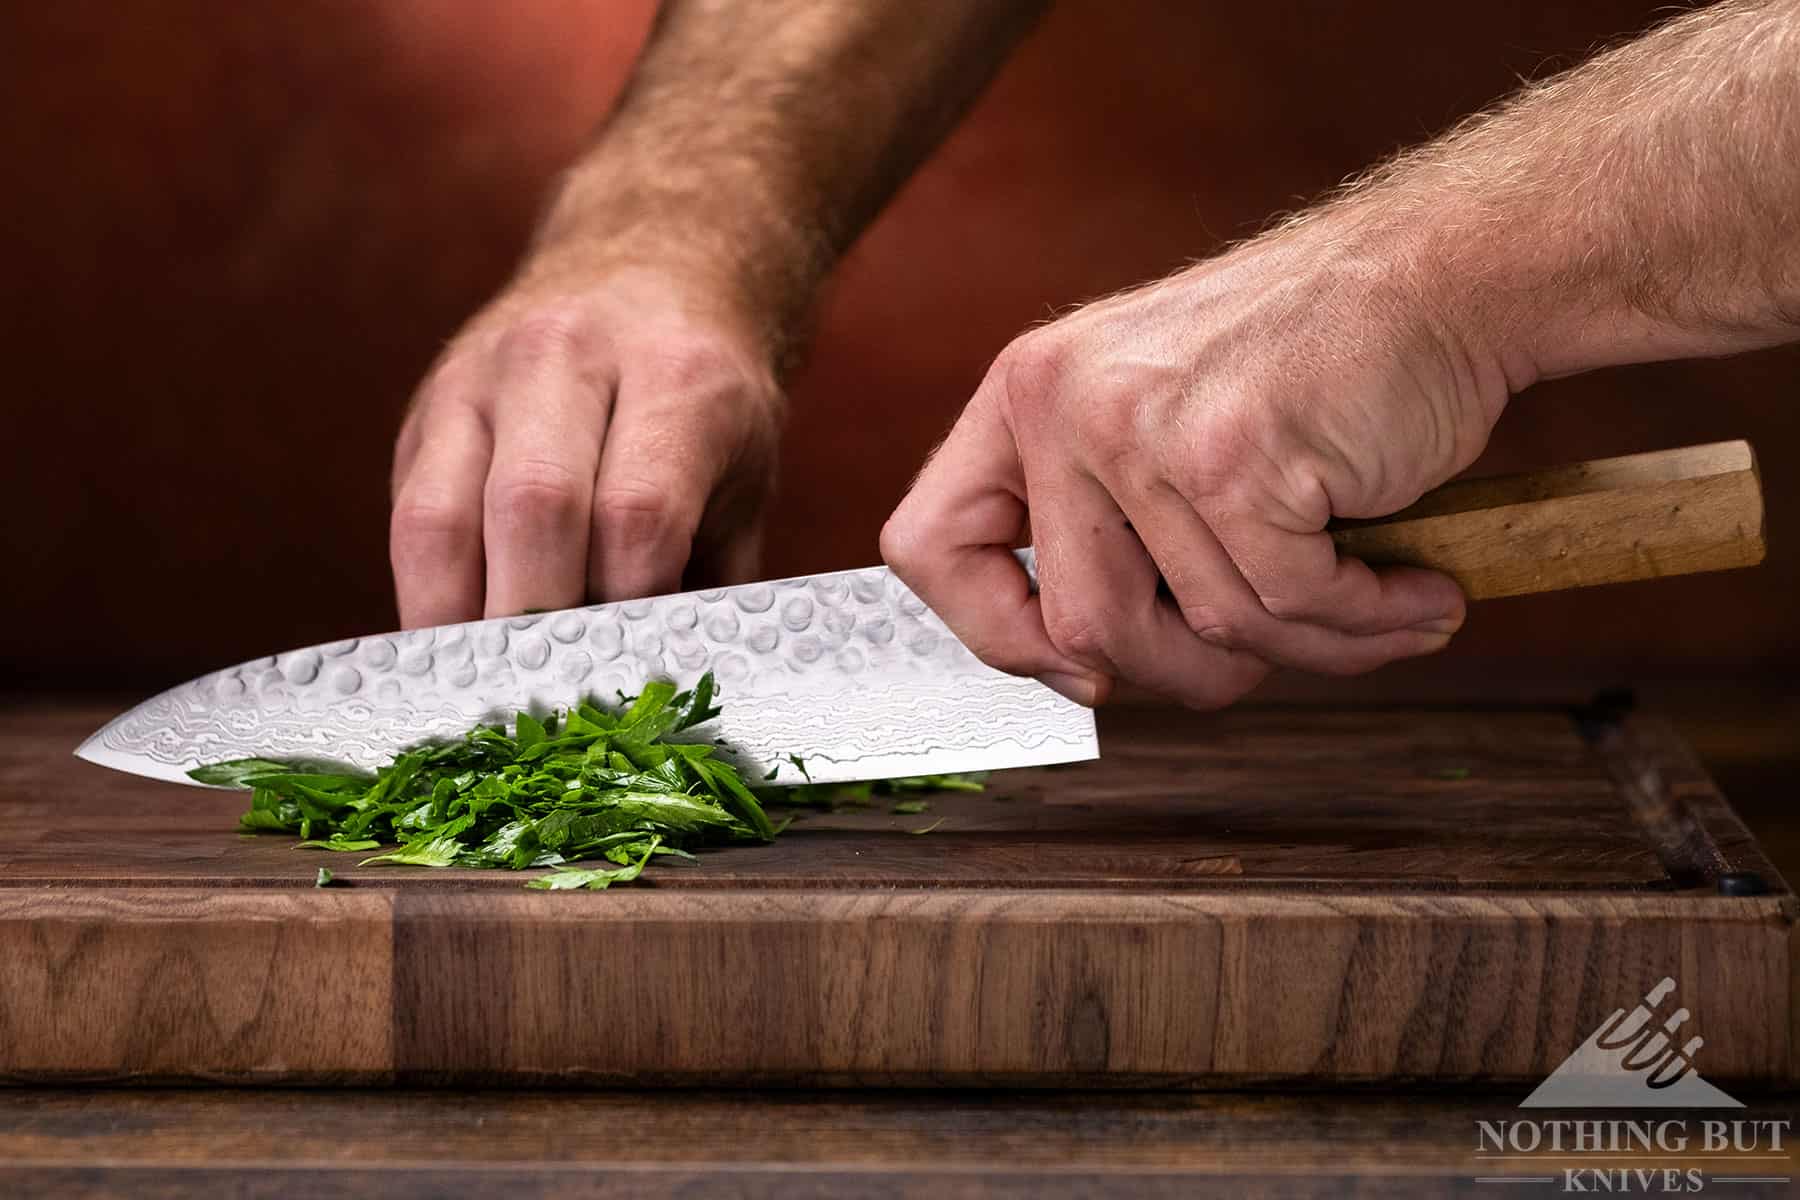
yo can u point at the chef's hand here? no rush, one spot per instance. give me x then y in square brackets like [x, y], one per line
[612, 417]
[1201, 431]
[1174, 454]
[602, 427]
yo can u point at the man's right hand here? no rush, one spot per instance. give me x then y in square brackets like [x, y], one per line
[596, 431]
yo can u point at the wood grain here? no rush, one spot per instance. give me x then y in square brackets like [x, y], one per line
[934, 988]
[1614, 520]
[1180, 801]
[248, 986]
[1250, 897]
[403, 1144]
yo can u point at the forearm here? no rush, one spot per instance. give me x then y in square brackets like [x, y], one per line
[758, 137]
[1641, 206]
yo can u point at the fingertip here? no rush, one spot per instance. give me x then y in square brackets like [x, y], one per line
[1442, 598]
[1455, 604]
[1370, 601]
[1437, 643]
[639, 581]
[1089, 691]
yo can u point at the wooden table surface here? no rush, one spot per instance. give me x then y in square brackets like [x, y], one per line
[409, 1145]
[157, 1142]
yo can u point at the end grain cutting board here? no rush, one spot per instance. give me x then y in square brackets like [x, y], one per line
[1301, 895]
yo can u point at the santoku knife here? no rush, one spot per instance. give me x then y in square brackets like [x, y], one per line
[852, 674]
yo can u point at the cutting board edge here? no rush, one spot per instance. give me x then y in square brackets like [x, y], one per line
[971, 987]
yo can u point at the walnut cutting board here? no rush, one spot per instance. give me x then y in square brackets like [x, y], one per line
[1255, 896]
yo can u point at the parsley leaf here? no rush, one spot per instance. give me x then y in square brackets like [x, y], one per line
[571, 790]
[833, 796]
[596, 878]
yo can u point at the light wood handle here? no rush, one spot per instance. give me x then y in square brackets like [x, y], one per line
[1606, 521]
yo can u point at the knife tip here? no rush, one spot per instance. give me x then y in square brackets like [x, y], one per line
[95, 750]
[89, 750]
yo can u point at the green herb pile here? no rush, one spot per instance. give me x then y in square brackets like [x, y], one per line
[586, 787]
[833, 796]
[594, 787]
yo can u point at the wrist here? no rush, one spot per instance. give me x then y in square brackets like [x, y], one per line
[721, 234]
[1403, 277]
[1533, 297]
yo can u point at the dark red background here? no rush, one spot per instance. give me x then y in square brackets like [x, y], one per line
[234, 234]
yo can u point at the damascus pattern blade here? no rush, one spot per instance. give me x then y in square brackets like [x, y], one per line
[848, 670]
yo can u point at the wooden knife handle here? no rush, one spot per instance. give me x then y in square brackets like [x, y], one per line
[1607, 521]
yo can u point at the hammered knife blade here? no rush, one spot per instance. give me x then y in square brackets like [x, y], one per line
[849, 672]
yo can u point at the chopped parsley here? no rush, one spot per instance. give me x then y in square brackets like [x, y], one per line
[573, 792]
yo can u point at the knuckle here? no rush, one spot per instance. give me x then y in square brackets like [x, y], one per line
[448, 374]
[701, 365]
[1107, 426]
[1236, 446]
[905, 544]
[1029, 373]
[638, 514]
[1210, 468]
[1076, 633]
[418, 525]
[548, 331]
[1288, 608]
[1049, 385]
[1214, 625]
[534, 493]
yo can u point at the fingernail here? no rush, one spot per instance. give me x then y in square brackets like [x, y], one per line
[1082, 689]
[1445, 625]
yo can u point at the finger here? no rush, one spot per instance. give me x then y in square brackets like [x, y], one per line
[550, 414]
[406, 450]
[434, 533]
[1301, 577]
[674, 435]
[950, 541]
[1100, 601]
[733, 556]
[728, 545]
[1221, 607]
